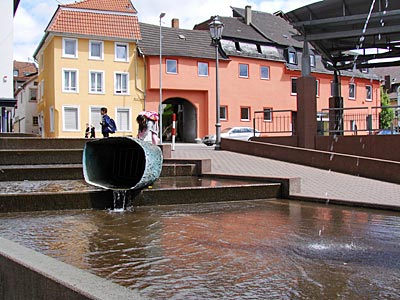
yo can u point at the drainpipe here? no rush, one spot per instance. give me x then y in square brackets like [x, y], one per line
[145, 78]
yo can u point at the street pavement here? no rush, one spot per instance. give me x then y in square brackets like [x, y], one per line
[315, 183]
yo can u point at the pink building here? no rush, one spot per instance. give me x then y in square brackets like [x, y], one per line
[258, 67]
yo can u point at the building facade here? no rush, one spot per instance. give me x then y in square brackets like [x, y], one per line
[88, 60]
[25, 117]
[258, 68]
[7, 101]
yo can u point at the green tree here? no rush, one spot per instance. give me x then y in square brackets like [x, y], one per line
[387, 114]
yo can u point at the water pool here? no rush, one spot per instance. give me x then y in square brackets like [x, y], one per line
[264, 249]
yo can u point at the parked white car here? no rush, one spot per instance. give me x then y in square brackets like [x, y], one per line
[239, 133]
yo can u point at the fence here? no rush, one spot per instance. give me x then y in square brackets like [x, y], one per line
[274, 121]
[341, 121]
[354, 120]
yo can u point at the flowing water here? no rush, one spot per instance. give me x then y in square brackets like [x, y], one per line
[265, 249]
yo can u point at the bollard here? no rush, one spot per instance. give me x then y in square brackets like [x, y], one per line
[173, 131]
[121, 163]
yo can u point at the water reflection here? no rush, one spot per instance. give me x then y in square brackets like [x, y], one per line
[241, 250]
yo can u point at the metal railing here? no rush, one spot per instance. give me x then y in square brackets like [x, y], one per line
[353, 120]
[341, 121]
[274, 121]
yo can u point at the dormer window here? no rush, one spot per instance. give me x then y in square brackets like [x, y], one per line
[237, 46]
[312, 60]
[291, 56]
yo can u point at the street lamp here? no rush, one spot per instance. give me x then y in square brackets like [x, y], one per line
[162, 15]
[216, 28]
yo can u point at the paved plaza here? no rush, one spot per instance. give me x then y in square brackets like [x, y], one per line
[315, 183]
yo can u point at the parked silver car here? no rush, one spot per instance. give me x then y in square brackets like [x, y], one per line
[239, 133]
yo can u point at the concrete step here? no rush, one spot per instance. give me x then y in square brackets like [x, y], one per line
[41, 143]
[40, 156]
[75, 172]
[41, 172]
[76, 194]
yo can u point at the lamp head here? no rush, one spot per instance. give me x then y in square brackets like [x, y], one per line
[216, 28]
[162, 15]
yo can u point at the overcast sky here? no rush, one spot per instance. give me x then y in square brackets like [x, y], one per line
[33, 16]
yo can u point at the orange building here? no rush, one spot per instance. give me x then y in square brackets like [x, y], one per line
[258, 67]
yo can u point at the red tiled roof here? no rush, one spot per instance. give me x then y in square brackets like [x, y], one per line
[24, 67]
[97, 24]
[109, 5]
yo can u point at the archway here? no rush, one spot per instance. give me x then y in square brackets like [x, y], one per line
[186, 120]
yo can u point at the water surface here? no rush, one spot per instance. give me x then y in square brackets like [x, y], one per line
[267, 249]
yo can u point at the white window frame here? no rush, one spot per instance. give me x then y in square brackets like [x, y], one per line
[267, 109]
[95, 123]
[247, 71]
[261, 73]
[33, 93]
[118, 121]
[292, 57]
[102, 82]
[248, 113]
[313, 61]
[200, 63]
[41, 88]
[167, 66]
[368, 87]
[316, 88]
[101, 57]
[291, 86]
[115, 83]
[126, 45]
[76, 91]
[223, 107]
[354, 91]
[52, 123]
[78, 128]
[66, 55]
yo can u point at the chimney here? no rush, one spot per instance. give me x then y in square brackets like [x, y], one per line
[247, 14]
[175, 23]
[387, 84]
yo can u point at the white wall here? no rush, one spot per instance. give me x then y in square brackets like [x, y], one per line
[26, 110]
[6, 49]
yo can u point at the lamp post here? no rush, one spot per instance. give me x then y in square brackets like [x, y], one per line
[162, 15]
[216, 28]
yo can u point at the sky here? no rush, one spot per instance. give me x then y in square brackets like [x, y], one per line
[33, 16]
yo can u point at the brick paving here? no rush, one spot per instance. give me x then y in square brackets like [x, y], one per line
[315, 183]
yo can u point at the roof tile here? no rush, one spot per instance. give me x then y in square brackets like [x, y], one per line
[97, 24]
[108, 5]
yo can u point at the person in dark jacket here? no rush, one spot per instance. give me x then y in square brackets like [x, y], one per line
[105, 120]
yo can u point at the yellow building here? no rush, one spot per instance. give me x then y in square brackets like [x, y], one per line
[88, 59]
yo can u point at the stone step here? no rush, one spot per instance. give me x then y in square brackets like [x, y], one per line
[41, 143]
[40, 157]
[75, 194]
[75, 172]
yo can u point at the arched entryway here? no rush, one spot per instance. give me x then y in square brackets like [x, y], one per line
[186, 120]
